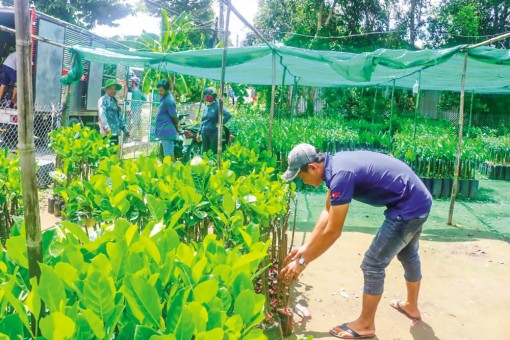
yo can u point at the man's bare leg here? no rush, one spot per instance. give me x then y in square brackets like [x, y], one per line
[2, 89]
[411, 305]
[365, 324]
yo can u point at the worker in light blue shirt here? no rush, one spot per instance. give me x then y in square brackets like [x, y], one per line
[208, 132]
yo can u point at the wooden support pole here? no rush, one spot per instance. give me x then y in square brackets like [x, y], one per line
[459, 145]
[271, 115]
[26, 146]
[471, 112]
[222, 87]
[390, 147]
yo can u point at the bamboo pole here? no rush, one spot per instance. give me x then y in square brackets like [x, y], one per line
[391, 115]
[222, 86]
[373, 109]
[471, 112]
[271, 114]
[417, 105]
[459, 145]
[26, 146]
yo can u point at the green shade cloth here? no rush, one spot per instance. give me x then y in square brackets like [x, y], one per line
[488, 68]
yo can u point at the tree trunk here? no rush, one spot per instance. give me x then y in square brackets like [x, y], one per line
[330, 14]
[319, 18]
[412, 23]
[26, 145]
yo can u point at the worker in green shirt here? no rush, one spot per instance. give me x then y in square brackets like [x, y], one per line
[135, 107]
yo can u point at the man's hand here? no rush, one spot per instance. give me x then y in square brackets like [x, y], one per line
[198, 138]
[127, 134]
[295, 254]
[107, 131]
[291, 271]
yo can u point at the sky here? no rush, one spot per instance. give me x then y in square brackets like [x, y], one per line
[248, 8]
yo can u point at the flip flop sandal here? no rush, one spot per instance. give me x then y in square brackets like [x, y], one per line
[398, 307]
[352, 332]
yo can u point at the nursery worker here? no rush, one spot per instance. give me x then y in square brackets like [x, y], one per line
[167, 123]
[378, 180]
[110, 114]
[208, 132]
[135, 109]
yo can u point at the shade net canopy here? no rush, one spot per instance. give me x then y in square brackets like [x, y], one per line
[488, 69]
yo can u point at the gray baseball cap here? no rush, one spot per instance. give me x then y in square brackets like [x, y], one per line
[301, 155]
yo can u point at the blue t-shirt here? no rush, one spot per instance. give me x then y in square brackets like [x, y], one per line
[165, 126]
[378, 180]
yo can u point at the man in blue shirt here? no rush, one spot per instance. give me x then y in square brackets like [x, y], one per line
[110, 114]
[208, 132]
[378, 180]
[167, 123]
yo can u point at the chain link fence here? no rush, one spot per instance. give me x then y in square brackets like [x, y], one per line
[140, 119]
[46, 119]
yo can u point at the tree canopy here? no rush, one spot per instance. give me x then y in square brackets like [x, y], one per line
[364, 25]
[85, 13]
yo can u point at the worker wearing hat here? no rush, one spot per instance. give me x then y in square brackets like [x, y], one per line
[378, 180]
[208, 132]
[110, 114]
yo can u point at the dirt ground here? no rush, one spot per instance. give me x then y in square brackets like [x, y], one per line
[466, 272]
[464, 295]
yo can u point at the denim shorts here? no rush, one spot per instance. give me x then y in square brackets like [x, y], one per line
[396, 237]
[8, 76]
[168, 147]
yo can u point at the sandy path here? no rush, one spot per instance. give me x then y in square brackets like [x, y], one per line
[465, 291]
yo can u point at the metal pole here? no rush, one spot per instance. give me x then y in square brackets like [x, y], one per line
[417, 105]
[282, 92]
[391, 116]
[222, 87]
[459, 145]
[271, 115]
[471, 112]
[373, 109]
[26, 146]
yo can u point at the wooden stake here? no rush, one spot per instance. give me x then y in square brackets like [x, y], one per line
[271, 115]
[459, 145]
[222, 88]
[26, 146]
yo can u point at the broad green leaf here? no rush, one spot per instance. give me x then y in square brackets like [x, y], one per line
[33, 301]
[244, 305]
[176, 216]
[229, 204]
[144, 333]
[185, 326]
[77, 231]
[226, 298]
[156, 207]
[200, 316]
[185, 254]
[144, 299]
[74, 257]
[7, 337]
[151, 249]
[214, 334]
[67, 273]
[198, 269]
[98, 294]
[95, 323]
[57, 326]
[11, 326]
[205, 291]
[117, 179]
[234, 325]
[51, 289]
[120, 202]
[83, 330]
[163, 337]
[175, 308]
[117, 253]
[242, 282]
[255, 334]
[17, 250]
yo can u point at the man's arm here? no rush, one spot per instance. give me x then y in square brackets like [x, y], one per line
[226, 116]
[102, 115]
[322, 239]
[327, 236]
